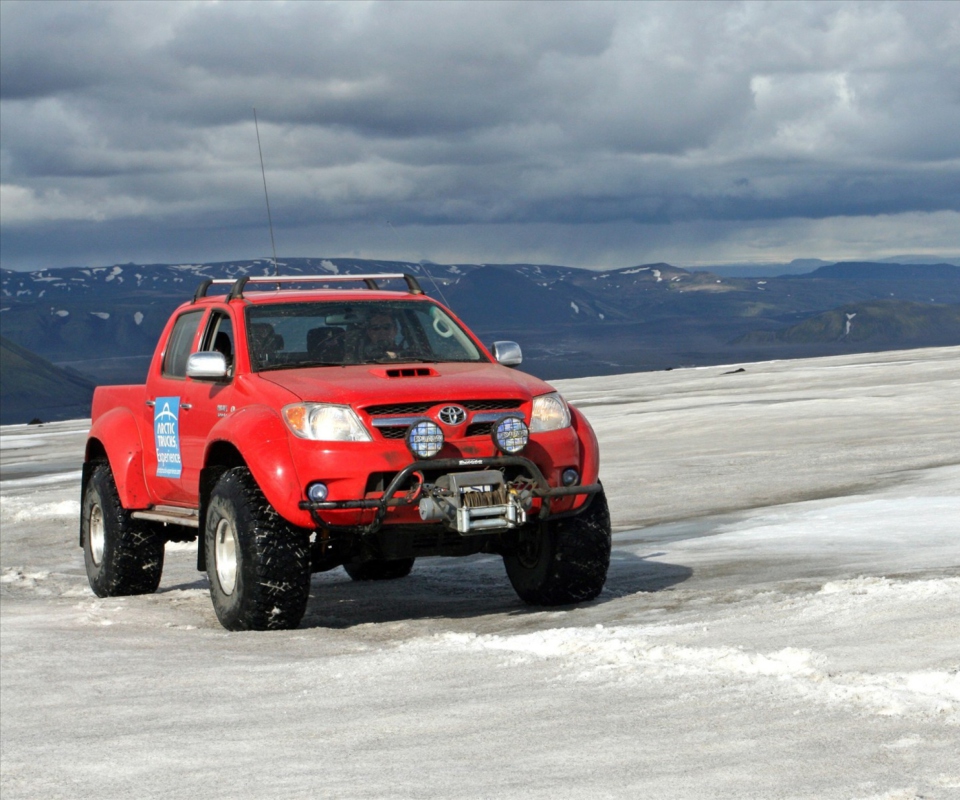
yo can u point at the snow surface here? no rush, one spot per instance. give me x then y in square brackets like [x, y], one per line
[782, 619]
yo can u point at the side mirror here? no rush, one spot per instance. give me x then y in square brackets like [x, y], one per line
[507, 353]
[211, 365]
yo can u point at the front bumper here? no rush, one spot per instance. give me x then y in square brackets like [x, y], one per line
[539, 488]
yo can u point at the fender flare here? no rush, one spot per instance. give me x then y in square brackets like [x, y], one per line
[263, 441]
[118, 435]
[589, 452]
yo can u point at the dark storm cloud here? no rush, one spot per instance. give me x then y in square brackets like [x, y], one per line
[131, 123]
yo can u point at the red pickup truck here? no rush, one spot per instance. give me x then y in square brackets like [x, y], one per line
[293, 431]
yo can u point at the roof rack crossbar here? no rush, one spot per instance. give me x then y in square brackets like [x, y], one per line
[238, 284]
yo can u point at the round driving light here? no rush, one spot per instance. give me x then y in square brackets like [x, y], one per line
[424, 438]
[570, 477]
[511, 434]
[317, 492]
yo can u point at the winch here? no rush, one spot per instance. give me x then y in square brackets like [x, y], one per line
[471, 502]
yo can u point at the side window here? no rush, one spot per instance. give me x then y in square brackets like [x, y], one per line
[219, 337]
[178, 348]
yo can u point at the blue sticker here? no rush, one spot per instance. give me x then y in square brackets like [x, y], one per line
[166, 433]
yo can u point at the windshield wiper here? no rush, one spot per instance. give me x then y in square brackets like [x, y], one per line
[299, 365]
[402, 360]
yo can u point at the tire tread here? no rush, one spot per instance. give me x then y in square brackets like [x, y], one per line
[133, 554]
[575, 558]
[275, 560]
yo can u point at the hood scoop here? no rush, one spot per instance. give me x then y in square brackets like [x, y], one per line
[405, 372]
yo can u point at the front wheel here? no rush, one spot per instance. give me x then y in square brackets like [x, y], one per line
[563, 561]
[122, 555]
[257, 563]
[380, 570]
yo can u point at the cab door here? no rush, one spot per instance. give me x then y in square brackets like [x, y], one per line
[207, 401]
[167, 407]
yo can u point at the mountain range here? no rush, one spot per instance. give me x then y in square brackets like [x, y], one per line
[103, 322]
[34, 389]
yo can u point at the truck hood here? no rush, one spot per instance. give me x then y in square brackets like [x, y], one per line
[380, 383]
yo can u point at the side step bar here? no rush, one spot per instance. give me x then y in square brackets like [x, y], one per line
[172, 515]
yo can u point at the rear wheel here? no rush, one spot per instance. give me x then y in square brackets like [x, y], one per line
[122, 555]
[257, 563]
[564, 561]
[380, 570]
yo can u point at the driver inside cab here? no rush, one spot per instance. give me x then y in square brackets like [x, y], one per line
[381, 338]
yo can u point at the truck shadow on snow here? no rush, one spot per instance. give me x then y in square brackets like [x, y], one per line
[463, 588]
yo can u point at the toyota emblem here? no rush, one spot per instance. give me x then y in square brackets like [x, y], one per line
[452, 415]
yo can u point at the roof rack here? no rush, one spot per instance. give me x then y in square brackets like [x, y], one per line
[238, 284]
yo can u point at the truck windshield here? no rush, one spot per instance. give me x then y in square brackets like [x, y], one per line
[310, 334]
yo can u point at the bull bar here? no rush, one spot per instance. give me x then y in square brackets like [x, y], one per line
[387, 500]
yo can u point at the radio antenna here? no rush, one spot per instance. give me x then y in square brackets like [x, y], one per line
[429, 275]
[263, 172]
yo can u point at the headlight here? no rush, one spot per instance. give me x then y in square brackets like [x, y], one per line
[325, 423]
[550, 413]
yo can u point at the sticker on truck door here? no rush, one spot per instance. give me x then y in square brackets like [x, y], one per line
[166, 434]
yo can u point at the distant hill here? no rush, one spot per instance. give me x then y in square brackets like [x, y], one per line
[31, 387]
[880, 322]
[488, 296]
[873, 271]
[104, 322]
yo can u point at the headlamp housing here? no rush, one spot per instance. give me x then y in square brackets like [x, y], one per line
[550, 413]
[325, 422]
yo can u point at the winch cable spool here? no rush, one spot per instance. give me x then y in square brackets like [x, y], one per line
[480, 499]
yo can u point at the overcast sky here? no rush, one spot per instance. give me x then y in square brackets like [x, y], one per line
[595, 135]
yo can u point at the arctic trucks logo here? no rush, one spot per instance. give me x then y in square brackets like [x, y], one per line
[166, 434]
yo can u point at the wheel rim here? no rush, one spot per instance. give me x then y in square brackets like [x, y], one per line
[528, 553]
[96, 533]
[225, 552]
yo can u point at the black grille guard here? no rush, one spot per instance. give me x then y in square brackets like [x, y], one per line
[542, 489]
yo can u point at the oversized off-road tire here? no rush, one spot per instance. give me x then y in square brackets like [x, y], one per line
[257, 563]
[380, 570]
[564, 561]
[122, 555]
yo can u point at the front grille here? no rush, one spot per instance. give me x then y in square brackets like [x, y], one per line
[399, 431]
[396, 409]
[480, 429]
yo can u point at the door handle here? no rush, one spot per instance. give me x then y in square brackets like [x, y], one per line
[185, 406]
